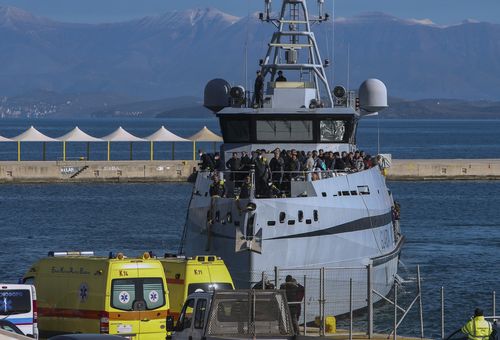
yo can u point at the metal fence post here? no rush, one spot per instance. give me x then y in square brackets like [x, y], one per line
[350, 308]
[320, 301]
[442, 312]
[323, 301]
[420, 304]
[304, 310]
[276, 274]
[395, 334]
[263, 280]
[494, 305]
[369, 292]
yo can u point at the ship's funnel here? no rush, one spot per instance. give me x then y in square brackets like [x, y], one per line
[372, 96]
[217, 95]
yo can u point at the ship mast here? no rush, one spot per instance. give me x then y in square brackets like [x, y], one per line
[294, 35]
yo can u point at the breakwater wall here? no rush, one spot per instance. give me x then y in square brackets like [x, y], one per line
[179, 171]
[95, 171]
[444, 169]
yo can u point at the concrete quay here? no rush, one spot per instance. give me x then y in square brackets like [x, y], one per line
[179, 171]
[444, 169]
[95, 171]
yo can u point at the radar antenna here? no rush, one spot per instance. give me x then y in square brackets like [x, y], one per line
[294, 35]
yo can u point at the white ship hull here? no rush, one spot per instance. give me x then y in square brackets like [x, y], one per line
[350, 230]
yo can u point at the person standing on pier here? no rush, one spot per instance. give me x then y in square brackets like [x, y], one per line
[294, 294]
[478, 328]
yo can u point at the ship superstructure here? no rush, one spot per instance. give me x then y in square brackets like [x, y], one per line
[319, 218]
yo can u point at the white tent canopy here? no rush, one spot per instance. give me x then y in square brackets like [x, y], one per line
[77, 135]
[163, 135]
[3, 139]
[205, 135]
[121, 135]
[33, 135]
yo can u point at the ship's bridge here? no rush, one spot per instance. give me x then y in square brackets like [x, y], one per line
[332, 129]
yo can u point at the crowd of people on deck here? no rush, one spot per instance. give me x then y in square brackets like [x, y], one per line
[273, 177]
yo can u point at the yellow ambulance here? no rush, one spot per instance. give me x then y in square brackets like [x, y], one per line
[82, 293]
[186, 275]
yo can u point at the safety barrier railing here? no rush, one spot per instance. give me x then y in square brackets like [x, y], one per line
[342, 291]
[281, 183]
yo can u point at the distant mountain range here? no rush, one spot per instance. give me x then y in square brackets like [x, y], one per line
[176, 53]
[98, 105]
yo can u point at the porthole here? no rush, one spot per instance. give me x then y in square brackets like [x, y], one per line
[282, 217]
[291, 222]
[315, 215]
[301, 215]
[308, 221]
[271, 223]
[323, 194]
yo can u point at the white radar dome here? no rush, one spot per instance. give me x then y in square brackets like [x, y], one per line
[373, 95]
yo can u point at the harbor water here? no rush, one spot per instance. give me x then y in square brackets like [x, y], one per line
[452, 228]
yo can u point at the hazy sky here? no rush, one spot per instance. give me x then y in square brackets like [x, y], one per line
[91, 11]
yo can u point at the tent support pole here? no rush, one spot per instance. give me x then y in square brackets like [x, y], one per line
[131, 143]
[215, 147]
[64, 150]
[173, 150]
[18, 150]
[88, 151]
[151, 151]
[43, 151]
[109, 147]
[194, 150]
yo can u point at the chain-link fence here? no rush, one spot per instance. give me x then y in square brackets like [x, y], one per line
[345, 299]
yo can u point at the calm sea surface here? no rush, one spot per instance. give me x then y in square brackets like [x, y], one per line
[452, 228]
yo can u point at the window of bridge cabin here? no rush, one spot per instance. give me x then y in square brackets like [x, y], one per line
[284, 130]
[236, 130]
[334, 130]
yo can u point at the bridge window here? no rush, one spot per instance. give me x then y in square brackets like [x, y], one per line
[236, 130]
[333, 130]
[284, 130]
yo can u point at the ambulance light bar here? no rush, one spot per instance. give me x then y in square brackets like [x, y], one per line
[70, 253]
